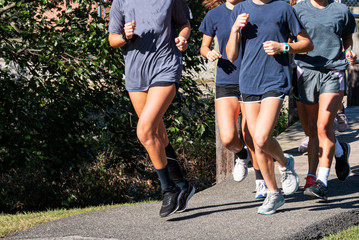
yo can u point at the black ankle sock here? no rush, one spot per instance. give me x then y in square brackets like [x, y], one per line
[165, 179]
[258, 174]
[174, 168]
[243, 154]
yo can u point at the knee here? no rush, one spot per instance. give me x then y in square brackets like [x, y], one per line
[260, 141]
[323, 129]
[145, 134]
[228, 140]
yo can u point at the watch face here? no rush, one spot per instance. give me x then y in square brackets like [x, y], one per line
[286, 48]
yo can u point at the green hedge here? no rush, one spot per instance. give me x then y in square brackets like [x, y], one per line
[67, 127]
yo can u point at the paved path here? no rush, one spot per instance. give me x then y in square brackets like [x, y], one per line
[227, 210]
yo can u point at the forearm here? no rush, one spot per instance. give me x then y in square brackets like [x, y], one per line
[348, 42]
[302, 46]
[204, 50]
[185, 31]
[116, 40]
[232, 47]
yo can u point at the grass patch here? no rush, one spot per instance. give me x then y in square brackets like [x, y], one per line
[351, 233]
[12, 223]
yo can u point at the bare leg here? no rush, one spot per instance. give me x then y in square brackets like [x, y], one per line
[227, 110]
[150, 107]
[328, 106]
[265, 115]
[248, 139]
[302, 114]
[311, 113]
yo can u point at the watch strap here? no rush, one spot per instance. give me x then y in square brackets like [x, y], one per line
[286, 48]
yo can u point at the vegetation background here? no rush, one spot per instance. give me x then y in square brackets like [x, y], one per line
[67, 127]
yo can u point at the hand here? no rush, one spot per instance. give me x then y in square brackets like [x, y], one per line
[350, 56]
[273, 48]
[240, 22]
[130, 29]
[181, 43]
[213, 55]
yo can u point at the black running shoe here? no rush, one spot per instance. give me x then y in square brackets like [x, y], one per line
[186, 195]
[342, 167]
[170, 201]
[317, 190]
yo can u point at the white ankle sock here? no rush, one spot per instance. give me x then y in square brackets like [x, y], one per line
[323, 175]
[338, 149]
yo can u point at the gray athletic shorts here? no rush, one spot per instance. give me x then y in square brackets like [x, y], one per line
[312, 83]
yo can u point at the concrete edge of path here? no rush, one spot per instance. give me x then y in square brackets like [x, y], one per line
[334, 224]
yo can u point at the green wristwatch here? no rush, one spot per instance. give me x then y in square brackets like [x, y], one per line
[286, 48]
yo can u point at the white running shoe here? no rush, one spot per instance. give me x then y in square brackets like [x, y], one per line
[303, 147]
[289, 178]
[261, 189]
[240, 170]
[273, 201]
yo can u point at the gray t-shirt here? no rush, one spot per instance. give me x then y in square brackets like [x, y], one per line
[151, 56]
[326, 28]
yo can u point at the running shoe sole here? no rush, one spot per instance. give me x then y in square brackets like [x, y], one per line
[281, 203]
[314, 195]
[178, 204]
[188, 198]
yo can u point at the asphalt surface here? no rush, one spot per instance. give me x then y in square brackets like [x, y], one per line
[228, 210]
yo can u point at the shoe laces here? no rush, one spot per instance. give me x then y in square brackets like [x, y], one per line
[284, 174]
[341, 118]
[240, 161]
[167, 195]
[260, 186]
[269, 198]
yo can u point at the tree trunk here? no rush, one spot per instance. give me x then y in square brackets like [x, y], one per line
[224, 159]
[353, 77]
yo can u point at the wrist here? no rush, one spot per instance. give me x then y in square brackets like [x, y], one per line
[235, 30]
[207, 55]
[182, 38]
[286, 48]
[123, 36]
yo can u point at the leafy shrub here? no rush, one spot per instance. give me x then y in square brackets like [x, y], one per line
[67, 127]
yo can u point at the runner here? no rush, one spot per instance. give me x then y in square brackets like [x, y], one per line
[216, 24]
[330, 26]
[153, 65]
[262, 28]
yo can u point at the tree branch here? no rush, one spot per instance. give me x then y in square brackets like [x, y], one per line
[12, 24]
[7, 7]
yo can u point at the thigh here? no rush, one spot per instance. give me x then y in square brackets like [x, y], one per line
[268, 116]
[227, 110]
[151, 105]
[251, 114]
[303, 116]
[138, 100]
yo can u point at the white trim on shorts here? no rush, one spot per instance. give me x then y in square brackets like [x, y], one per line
[225, 97]
[281, 97]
